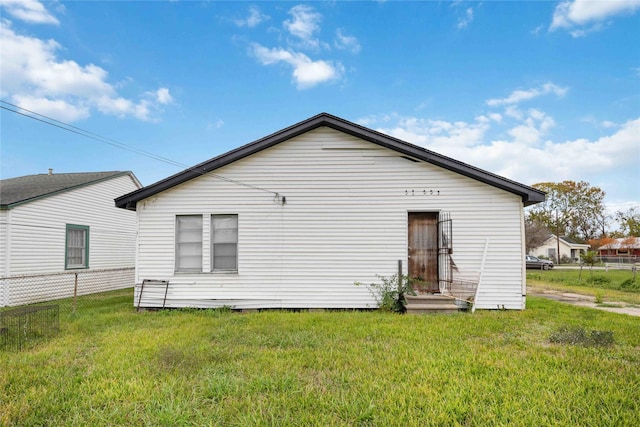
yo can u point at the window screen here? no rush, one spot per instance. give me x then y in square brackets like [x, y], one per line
[189, 243]
[77, 246]
[224, 242]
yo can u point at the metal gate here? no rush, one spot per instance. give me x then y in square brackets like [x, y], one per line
[445, 250]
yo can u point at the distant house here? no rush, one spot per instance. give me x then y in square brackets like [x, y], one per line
[626, 247]
[55, 224]
[294, 219]
[569, 248]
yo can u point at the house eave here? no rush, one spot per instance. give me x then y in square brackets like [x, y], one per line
[528, 194]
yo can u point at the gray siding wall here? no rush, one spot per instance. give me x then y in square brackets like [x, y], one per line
[344, 221]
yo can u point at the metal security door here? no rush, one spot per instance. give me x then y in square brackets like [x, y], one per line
[423, 251]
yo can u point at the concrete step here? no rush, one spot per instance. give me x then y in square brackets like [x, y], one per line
[430, 303]
[431, 309]
[429, 299]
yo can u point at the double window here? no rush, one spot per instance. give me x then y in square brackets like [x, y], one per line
[190, 243]
[76, 247]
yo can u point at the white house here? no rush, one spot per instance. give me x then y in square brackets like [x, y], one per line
[568, 248]
[57, 224]
[294, 219]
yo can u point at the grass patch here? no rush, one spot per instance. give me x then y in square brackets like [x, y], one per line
[612, 285]
[112, 366]
[579, 336]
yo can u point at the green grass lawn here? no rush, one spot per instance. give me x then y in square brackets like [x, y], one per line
[112, 366]
[612, 285]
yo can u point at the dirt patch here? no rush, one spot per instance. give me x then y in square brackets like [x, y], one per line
[584, 301]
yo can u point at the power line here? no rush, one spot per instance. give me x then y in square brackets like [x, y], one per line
[91, 135]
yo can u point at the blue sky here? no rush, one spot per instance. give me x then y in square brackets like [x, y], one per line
[533, 91]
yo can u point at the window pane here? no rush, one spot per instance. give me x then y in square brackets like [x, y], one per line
[225, 221]
[225, 236]
[225, 263]
[189, 243]
[224, 242]
[225, 249]
[76, 251]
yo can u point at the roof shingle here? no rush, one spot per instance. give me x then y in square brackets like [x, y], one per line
[26, 188]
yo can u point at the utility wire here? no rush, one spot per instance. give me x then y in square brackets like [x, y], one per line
[91, 135]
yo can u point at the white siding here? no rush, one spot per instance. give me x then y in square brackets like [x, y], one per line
[344, 221]
[4, 215]
[565, 249]
[34, 242]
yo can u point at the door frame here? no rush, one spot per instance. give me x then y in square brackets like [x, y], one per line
[437, 213]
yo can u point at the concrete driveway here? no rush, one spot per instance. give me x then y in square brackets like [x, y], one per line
[584, 301]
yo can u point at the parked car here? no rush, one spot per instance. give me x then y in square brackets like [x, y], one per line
[538, 264]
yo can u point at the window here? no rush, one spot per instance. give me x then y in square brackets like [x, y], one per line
[77, 247]
[189, 243]
[224, 242]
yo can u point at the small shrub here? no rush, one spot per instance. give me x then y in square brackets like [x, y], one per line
[589, 258]
[630, 285]
[390, 296]
[598, 280]
[579, 336]
[599, 297]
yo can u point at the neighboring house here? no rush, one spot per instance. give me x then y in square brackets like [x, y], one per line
[52, 224]
[626, 247]
[295, 219]
[568, 249]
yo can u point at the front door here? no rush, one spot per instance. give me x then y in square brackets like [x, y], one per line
[423, 251]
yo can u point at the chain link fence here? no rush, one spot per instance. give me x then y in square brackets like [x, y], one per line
[31, 305]
[623, 260]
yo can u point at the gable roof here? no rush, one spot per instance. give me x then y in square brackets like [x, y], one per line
[622, 243]
[25, 189]
[568, 241]
[528, 194]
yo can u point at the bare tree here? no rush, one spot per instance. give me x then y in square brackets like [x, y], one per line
[535, 232]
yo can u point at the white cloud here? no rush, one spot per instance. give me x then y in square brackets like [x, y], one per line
[577, 13]
[58, 108]
[518, 96]
[306, 72]
[35, 78]
[304, 25]
[525, 156]
[255, 17]
[345, 42]
[464, 21]
[217, 124]
[532, 129]
[31, 11]
[439, 135]
[163, 96]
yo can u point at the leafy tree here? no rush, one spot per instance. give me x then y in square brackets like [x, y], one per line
[572, 209]
[629, 221]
